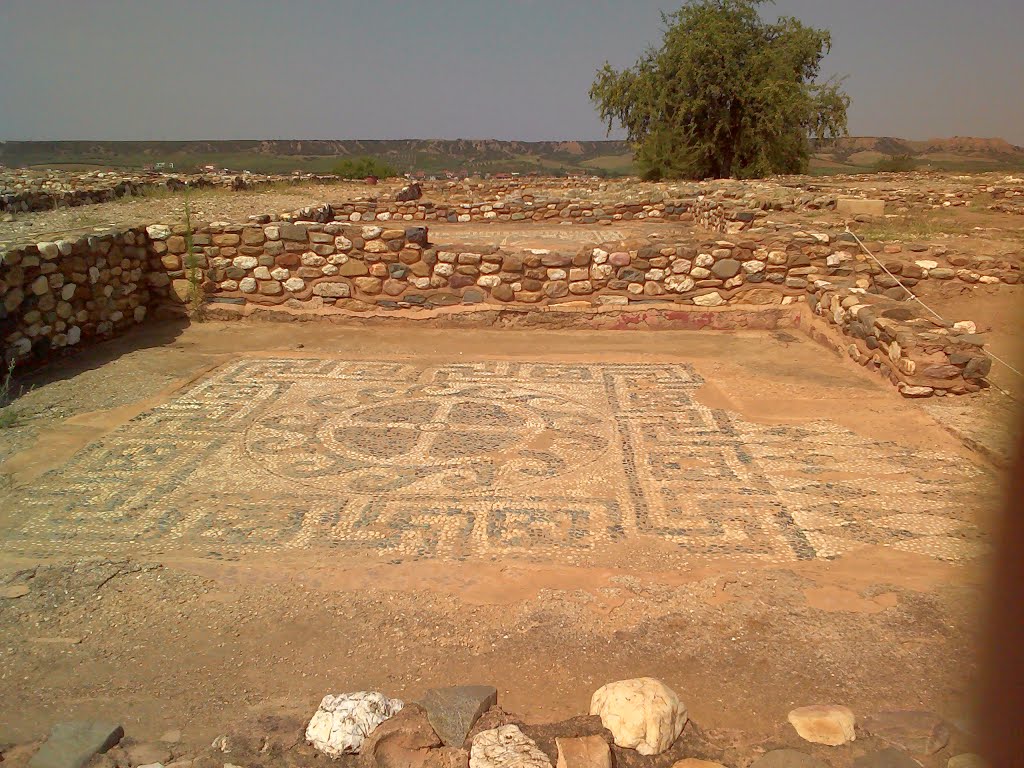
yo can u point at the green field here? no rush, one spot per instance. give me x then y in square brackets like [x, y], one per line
[475, 157]
[429, 156]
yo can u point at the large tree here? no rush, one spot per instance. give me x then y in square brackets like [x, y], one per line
[727, 94]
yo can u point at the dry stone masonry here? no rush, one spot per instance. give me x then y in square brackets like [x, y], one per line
[377, 257]
[372, 730]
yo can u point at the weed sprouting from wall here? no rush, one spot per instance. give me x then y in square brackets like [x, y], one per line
[193, 272]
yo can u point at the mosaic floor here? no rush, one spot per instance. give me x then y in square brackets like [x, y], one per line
[501, 458]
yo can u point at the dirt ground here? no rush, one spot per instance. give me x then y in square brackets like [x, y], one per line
[790, 531]
[165, 632]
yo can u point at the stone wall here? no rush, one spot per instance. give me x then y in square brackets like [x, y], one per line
[64, 293]
[707, 213]
[22, 192]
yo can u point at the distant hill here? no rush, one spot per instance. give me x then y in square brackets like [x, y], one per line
[855, 154]
[428, 155]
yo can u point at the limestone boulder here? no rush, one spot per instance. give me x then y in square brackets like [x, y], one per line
[829, 724]
[506, 747]
[642, 714]
[713, 299]
[342, 722]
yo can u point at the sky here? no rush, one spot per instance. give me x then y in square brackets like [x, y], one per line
[504, 69]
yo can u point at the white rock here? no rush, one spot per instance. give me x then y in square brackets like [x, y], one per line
[74, 335]
[679, 283]
[927, 264]
[48, 250]
[247, 285]
[158, 232]
[332, 290]
[506, 747]
[342, 723]
[294, 284]
[827, 724]
[913, 392]
[40, 285]
[642, 714]
[245, 262]
[372, 233]
[713, 299]
[280, 273]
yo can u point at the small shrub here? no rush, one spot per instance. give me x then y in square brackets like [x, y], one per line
[361, 167]
[896, 164]
[194, 274]
[8, 417]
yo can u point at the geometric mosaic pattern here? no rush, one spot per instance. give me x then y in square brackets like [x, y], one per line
[474, 460]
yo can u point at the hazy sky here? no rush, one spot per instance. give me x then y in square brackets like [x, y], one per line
[508, 69]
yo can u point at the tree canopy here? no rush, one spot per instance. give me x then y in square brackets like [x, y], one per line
[362, 167]
[727, 94]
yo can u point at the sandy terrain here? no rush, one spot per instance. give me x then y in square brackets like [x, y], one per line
[758, 524]
[177, 632]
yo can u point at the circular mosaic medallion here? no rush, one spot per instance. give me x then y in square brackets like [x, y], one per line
[425, 439]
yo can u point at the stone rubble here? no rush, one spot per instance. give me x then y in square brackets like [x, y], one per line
[642, 714]
[830, 724]
[920, 733]
[342, 722]
[72, 744]
[384, 734]
[583, 752]
[506, 747]
[453, 712]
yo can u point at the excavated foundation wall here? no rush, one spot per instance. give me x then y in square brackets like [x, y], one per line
[65, 293]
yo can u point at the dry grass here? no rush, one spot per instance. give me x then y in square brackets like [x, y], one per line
[916, 226]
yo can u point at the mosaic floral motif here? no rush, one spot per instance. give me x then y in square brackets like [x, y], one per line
[533, 460]
[469, 438]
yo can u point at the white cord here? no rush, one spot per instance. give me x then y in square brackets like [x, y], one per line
[915, 297]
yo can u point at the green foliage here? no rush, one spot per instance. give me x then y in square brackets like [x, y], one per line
[896, 164]
[192, 270]
[361, 167]
[726, 95]
[8, 417]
